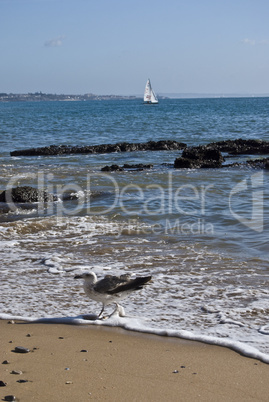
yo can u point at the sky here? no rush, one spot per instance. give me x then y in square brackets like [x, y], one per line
[113, 46]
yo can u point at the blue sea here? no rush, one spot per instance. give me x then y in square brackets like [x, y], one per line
[202, 234]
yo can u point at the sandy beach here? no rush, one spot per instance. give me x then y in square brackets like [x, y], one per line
[77, 363]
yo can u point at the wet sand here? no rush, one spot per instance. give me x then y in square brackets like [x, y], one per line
[77, 363]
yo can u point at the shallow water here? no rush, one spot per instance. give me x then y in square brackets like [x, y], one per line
[202, 234]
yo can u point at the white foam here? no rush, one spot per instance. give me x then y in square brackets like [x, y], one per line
[222, 301]
[134, 324]
[264, 330]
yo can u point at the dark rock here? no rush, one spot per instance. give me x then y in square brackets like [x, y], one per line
[262, 163]
[98, 149]
[258, 163]
[266, 164]
[240, 146]
[112, 168]
[210, 164]
[22, 381]
[25, 194]
[10, 398]
[140, 166]
[233, 147]
[202, 152]
[21, 349]
[3, 384]
[199, 157]
[5, 362]
[209, 156]
[184, 163]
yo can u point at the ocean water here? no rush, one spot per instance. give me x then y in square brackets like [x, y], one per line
[201, 234]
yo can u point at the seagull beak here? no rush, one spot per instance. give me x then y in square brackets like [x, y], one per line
[78, 277]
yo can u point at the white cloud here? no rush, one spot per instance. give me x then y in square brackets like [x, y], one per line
[56, 42]
[247, 41]
[253, 42]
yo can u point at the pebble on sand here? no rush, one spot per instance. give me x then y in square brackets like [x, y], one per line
[21, 349]
[10, 398]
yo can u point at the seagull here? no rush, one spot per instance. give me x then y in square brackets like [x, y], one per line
[111, 288]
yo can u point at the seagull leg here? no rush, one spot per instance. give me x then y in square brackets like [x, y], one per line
[101, 312]
[119, 309]
[114, 311]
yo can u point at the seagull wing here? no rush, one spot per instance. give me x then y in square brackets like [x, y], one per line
[114, 284]
[108, 284]
[131, 284]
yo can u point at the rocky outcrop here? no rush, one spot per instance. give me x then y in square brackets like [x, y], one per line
[199, 157]
[126, 166]
[209, 156]
[203, 156]
[112, 168]
[140, 166]
[262, 163]
[100, 149]
[240, 146]
[25, 194]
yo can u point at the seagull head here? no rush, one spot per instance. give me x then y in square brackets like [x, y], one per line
[89, 277]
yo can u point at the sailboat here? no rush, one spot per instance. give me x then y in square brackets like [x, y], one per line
[149, 94]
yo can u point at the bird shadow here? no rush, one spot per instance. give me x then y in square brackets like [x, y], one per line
[63, 320]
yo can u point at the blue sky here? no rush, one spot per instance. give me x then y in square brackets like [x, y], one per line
[113, 46]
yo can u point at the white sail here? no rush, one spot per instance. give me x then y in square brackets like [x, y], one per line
[154, 98]
[149, 94]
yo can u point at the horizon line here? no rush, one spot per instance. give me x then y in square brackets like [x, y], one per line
[172, 95]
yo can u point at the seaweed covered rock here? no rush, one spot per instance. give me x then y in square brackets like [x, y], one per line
[126, 166]
[199, 157]
[112, 168]
[241, 146]
[25, 194]
[100, 149]
[138, 166]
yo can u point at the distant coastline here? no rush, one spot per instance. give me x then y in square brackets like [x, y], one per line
[211, 95]
[40, 96]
